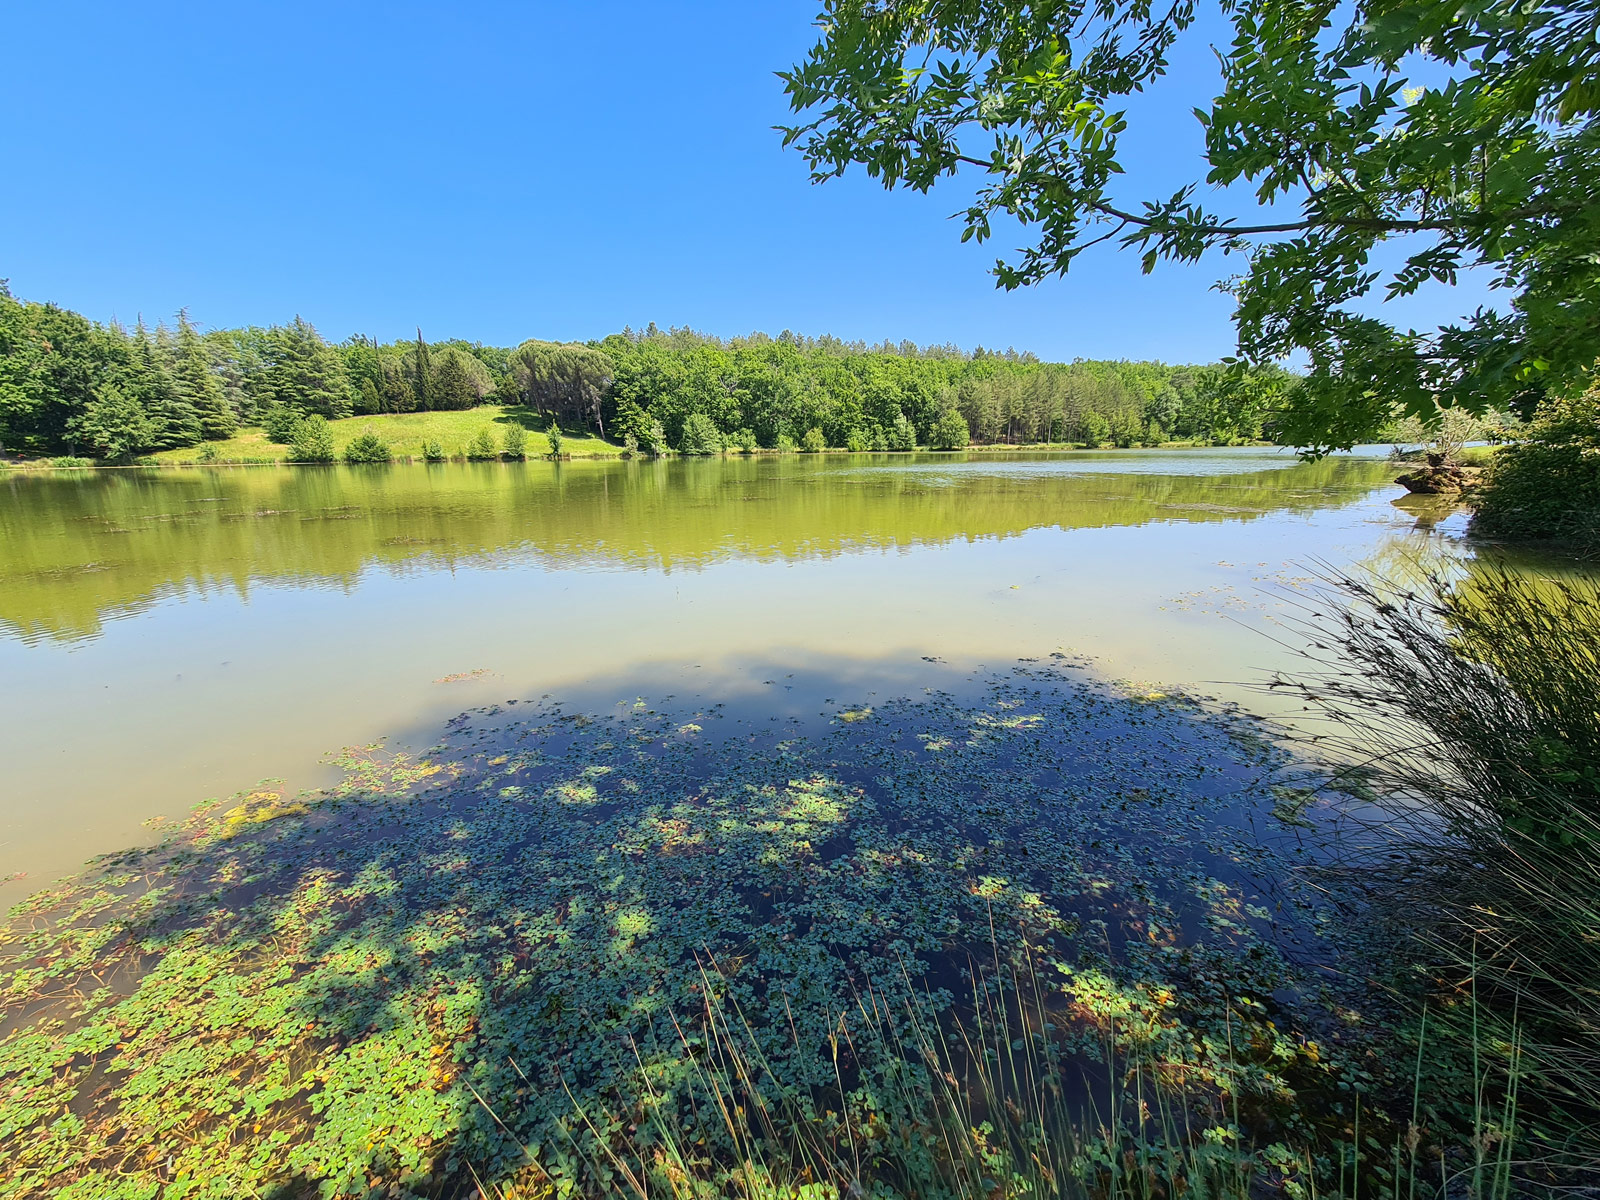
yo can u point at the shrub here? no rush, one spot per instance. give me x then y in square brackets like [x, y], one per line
[1093, 429]
[857, 440]
[812, 443]
[115, 425]
[515, 442]
[786, 444]
[280, 422]
[1126, 430]
[71, 460]
[208, 453]
[482, 447]
[630, 445]
[1547, 486]
[312, 441]
[949, 432]
[743, 440]
[554, 438]
[903, 436]
[653, 437]
[367, 447]
[432, 451]
[699, 436]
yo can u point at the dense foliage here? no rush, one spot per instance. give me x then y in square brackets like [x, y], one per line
[891, 397]
[1466, 134]
[1547, 486]
[71, 387]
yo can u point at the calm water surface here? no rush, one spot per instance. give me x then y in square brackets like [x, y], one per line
[170, 636]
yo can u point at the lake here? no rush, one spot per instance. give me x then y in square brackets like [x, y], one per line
[170, 636]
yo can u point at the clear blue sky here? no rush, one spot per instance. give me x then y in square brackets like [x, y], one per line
[499, 171]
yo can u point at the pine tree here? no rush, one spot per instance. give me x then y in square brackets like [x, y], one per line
[424, 375]
[304, 372]
[115, 425]
[149, 380]
[451, 387]
[199, 384]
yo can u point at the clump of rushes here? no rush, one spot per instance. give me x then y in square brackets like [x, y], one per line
[1470, 710]
[979, 1103]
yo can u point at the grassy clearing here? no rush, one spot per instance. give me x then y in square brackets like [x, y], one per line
[406, 433]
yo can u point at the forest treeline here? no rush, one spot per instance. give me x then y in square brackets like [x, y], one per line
[70, 386]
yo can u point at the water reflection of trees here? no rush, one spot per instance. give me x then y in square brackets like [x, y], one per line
[79, 548]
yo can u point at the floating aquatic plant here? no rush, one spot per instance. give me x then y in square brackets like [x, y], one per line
[489, 960]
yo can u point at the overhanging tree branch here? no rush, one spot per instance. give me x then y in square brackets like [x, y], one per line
[1225, 230]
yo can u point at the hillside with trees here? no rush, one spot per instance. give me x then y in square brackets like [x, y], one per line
[73, 387]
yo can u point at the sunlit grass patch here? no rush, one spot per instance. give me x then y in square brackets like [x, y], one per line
[406, 434]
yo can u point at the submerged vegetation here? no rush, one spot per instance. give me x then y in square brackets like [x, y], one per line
[1044, 939]
[511, 959]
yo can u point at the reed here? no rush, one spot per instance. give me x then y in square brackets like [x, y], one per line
[1465, 710]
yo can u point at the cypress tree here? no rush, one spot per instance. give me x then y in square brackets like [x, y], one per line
[423, 380]
[369, 401]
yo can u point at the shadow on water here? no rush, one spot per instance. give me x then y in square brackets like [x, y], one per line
[410, 981]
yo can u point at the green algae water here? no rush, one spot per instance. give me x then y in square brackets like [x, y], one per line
[170, 636]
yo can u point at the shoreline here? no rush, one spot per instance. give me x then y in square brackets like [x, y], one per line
[28, 466]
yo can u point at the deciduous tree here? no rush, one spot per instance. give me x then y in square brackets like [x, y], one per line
[1464, 132]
